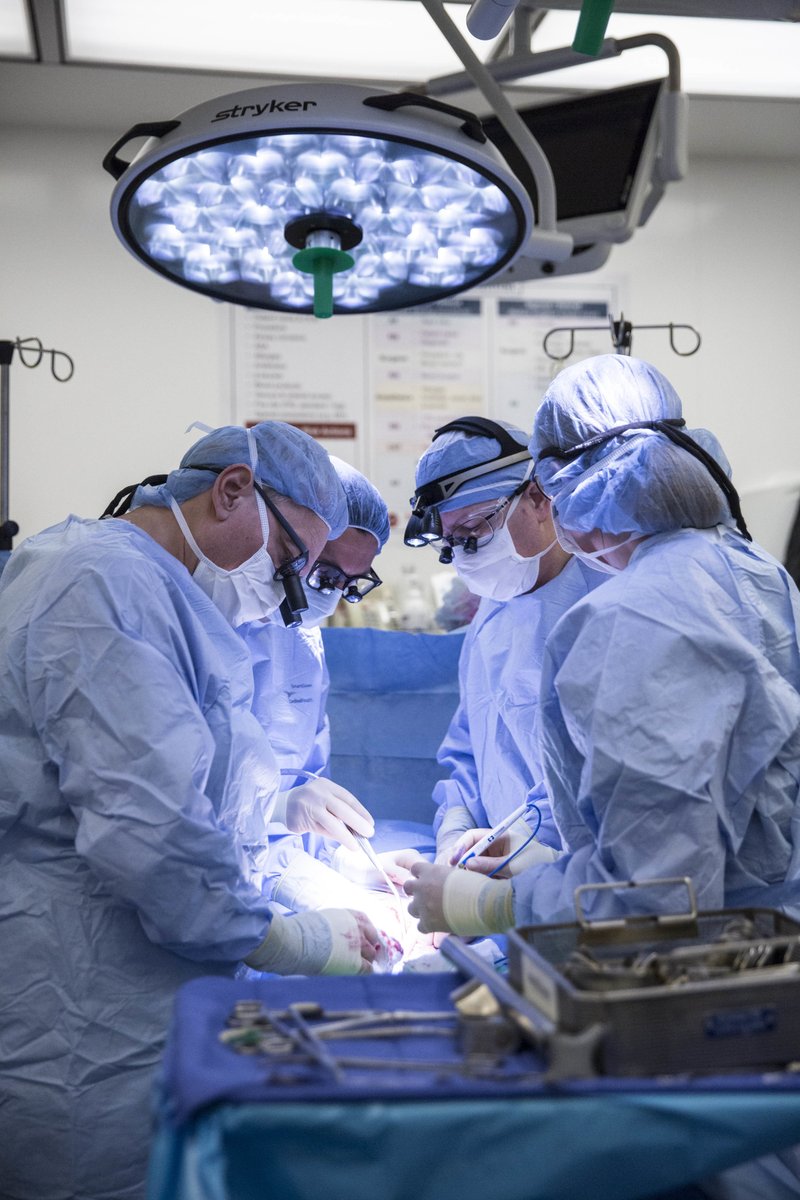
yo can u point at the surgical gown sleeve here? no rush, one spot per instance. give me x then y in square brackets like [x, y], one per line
[124, 715]
[461, 789]
[290, 695]
[649, 716]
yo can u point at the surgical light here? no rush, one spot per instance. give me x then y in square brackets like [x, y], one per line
[323, 198]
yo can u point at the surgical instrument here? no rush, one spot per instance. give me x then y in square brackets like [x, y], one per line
[493, 835]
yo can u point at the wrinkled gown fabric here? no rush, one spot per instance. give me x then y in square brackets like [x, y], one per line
[133, 776]
[492, 748]
[671, 733]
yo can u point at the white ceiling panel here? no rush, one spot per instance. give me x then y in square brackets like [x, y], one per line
[16, 39]
[365, 39]
[718, 57]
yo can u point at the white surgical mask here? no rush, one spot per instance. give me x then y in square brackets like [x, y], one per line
[592, 558]
[320, 605]
[246, 593]
[496, 570]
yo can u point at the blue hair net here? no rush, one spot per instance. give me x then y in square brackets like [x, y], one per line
[366, 508]
[456, 451]
[288, 460]
[638, 481]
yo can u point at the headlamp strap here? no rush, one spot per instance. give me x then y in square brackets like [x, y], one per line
[674, 429]
[124, 498]
[441, 488]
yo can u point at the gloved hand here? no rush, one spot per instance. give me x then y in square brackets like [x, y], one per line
[321, 806]
[331, 942]
[426, 889]
[511, 842]
[496, 852]
[446, 898]
[457, 820]
[308, 883]
[355, 866]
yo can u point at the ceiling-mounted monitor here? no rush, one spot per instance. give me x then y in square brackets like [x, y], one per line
[603, 149]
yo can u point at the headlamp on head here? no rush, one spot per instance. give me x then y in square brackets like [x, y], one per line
[425, 523]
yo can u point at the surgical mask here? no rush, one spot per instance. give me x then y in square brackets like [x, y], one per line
[320, 605]
[245, 593]
[592, 558]
[496, 571]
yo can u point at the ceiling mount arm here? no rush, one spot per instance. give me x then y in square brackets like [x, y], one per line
[521, 64]
[546, 241]
[518, 34]
[672, 163]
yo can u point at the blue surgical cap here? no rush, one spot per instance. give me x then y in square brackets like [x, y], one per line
[455, 451]
[366, 508]
[637, 481]
[288, 460]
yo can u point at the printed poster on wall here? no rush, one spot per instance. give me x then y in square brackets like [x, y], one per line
[373, 389]
[308, 372]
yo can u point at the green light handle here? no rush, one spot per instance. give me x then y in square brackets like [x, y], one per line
[323, 262]
[592, 26]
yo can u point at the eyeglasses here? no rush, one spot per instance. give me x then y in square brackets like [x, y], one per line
[476, 530]
[294, 603]
[295, 565]
[326, 577]
[291, 566]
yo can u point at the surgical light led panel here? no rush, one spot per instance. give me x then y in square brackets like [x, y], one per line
[225, 197]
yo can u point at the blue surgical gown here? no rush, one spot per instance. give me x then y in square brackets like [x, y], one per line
[492, 748]
[133, 776]
[291, 685]
[290, 692]
[671, 733]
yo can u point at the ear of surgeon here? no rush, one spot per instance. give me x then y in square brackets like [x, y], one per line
[229, 522]
[244, 508]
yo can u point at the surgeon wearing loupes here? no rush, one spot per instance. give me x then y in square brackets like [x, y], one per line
[290, 694]
[477, 506]
[670, 697]
[135, 782]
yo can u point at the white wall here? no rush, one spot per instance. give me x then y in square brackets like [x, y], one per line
[721, 252]
[148, 357]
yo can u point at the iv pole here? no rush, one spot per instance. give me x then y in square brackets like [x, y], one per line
[31, 346]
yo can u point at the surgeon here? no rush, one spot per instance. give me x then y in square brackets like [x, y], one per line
[290, 693]
[475, 490]
[135, 779]
[671, 695]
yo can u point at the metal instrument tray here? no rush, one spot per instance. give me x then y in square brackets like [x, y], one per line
[666, 994]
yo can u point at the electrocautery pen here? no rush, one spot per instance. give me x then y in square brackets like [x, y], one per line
[493, 835]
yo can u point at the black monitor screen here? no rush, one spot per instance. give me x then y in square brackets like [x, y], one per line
[593, 144]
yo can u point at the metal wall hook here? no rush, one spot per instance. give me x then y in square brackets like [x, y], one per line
[32, 348]
[684, 353]
[621, 337]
